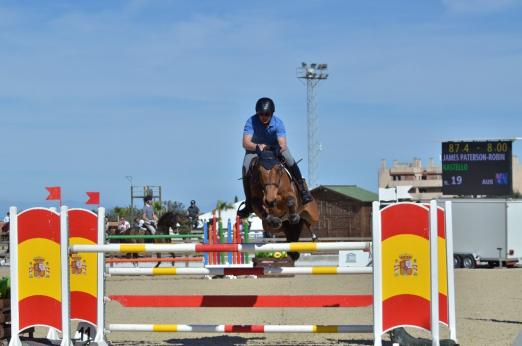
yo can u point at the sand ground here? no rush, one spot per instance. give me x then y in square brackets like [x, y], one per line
[489, 309]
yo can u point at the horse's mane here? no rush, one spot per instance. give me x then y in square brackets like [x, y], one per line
[168, 219]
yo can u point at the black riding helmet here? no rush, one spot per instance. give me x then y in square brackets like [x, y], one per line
[147, 198]
[265, 105]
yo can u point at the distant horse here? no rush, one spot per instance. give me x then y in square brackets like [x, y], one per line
[165, 222]
[275, 199]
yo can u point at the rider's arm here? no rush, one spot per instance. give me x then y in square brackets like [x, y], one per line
[249, 145]
[248, 133]
[282, 143]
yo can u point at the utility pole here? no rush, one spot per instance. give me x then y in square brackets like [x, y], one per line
[312, 73]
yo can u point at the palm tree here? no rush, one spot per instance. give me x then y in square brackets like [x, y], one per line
[222, 205]
[158, 208]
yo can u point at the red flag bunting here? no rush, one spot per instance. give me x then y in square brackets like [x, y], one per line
[55, 193]
[94, 198]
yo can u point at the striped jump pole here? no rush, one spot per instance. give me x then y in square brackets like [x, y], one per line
[230, 241]
[153, 260]
[205, 241]
[259, 271]
[236, 238]
[153, 236]
[245, 258]
[195, 248]
[238, 328]
[214, 255]
[221, 241]
[245, 301]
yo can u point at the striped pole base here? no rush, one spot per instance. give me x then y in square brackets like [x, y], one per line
[245, 301]
[194, 248]
[259, 271]
[237, 328]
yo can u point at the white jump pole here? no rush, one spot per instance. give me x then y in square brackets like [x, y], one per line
[246, 271]
[377, 274]
[99, 339]
[434, 277]
[225, 328]
[64, 254]
[450, 271]
[13, 248]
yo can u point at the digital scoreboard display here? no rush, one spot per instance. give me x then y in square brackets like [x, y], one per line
[477, 168]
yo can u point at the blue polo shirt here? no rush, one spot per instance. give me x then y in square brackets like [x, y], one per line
[265, 135]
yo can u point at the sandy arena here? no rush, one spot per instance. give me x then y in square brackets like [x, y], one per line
[489, 309]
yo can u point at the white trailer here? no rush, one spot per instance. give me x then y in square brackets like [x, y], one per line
[487, 231]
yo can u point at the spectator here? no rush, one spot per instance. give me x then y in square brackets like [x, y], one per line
[123, 225]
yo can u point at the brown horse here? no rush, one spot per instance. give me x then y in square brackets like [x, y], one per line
[275, 199]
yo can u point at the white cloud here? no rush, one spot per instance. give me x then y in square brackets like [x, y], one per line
[479, 7]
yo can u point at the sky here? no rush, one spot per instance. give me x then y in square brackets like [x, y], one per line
[94, 92]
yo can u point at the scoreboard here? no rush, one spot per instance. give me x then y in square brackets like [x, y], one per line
[477, 168]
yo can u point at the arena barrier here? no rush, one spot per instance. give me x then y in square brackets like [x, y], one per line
[411, 287]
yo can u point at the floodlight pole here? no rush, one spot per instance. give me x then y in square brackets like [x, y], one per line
[312, 73]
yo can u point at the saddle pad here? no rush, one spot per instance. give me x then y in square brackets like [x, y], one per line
[267, 159]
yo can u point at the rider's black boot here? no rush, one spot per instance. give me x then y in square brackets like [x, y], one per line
[306, 196]
[247, 209]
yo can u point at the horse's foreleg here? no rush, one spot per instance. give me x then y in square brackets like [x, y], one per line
[272, 221]
[293, 233]
[293, 216]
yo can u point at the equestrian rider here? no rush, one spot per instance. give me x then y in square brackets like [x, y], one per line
[149, 216]
[193, 213]
[265, 130]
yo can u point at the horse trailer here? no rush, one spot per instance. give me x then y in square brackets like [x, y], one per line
[486, 232]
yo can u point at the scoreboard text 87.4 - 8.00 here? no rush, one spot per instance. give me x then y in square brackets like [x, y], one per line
[477, 168]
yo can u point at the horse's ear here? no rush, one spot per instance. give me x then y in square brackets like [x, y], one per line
[258, 151]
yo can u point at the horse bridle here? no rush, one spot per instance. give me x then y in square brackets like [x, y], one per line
[270, 183]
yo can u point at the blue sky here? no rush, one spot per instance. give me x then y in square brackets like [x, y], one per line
[92, 92]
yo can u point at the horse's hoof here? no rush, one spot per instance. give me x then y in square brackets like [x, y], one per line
[275, 222]
[294, 219]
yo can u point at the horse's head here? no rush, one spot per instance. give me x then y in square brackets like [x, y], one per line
[270, 171]
[169, 219]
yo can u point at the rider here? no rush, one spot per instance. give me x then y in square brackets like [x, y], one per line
[123, 225]
[265, 130]
[193, 213]
[149, 216]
